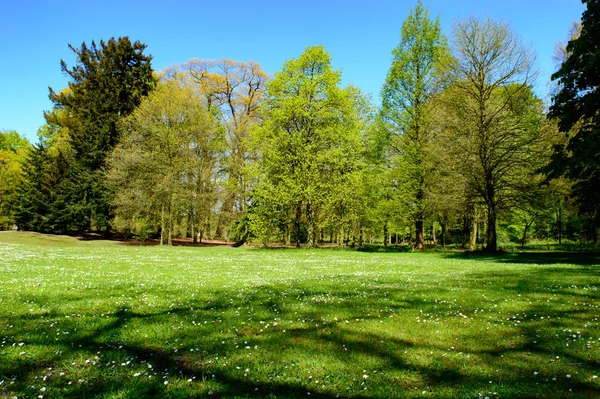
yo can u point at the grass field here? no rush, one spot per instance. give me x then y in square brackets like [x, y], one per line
[98, 319]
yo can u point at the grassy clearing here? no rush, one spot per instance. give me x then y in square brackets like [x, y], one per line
[81, 319]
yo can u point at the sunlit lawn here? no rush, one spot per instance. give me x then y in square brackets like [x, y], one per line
[98, 319]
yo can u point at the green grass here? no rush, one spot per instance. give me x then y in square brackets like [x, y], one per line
[97, 319]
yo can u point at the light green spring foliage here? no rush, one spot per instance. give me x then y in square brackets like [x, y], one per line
[165, 166]
[310, 143]
[13, 148]
[415, 77]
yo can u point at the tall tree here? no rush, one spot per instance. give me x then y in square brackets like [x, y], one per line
[235, 90]
[309, 143]
[413, 79]
[576, 105]
[496, 114]
[166, 165]
[106, 84]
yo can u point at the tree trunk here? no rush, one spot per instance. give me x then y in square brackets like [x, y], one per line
[492, 245]
[473, 240]
[311, 226]
[385, 233]
[162, 225]
[443, 237]
[419, 238]
[465, 230]
[194, 235]
[559, 223]
[360, 238]
[527, 224]
[433, 237]
[297, 223]
[288, 235]
[225, 213]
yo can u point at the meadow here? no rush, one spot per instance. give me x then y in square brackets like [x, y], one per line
[82, 319]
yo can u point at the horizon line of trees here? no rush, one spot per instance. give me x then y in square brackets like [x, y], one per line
[461, 150]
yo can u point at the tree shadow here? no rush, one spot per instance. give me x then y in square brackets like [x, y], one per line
[541, 258]
[333, 329]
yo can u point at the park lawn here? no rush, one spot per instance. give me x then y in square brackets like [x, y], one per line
[99, 319]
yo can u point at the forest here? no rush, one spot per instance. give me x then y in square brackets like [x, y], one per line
[461, 152]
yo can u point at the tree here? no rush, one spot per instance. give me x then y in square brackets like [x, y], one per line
[496, 117]
[235, 90]
[166, 165]
[576, 106]
[13, 149]
[413, 79]
[108, 81]
[308, 143]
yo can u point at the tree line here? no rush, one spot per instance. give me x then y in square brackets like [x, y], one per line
[461, 150]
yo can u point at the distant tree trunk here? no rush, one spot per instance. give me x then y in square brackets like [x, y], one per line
[524, 239]
[288, 235]
[466, 229]
[473, 240]
[419, 238]
[559, 223]
[433, 237]
[385, 233]
[193, 228]
[162, 225]
[443, 236]
[331, 236]
[297, 223]
[170, 225]
[491, 245]
[226, 211]
[360, 238]
[311, 226]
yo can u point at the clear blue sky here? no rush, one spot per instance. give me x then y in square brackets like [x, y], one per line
[358, 34]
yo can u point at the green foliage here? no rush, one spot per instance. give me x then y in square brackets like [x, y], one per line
[414, 78]
[309, 143]
[166, 167]
[106, 84]
[576, 106]
[13, 149]
[494, 120]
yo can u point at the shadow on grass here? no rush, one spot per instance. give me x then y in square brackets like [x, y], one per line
[541, 258]
[319, 330]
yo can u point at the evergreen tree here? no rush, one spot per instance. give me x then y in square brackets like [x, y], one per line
[576, 105]
[33, 193]
[106, 84]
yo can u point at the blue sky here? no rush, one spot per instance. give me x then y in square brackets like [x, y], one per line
[359, 36]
